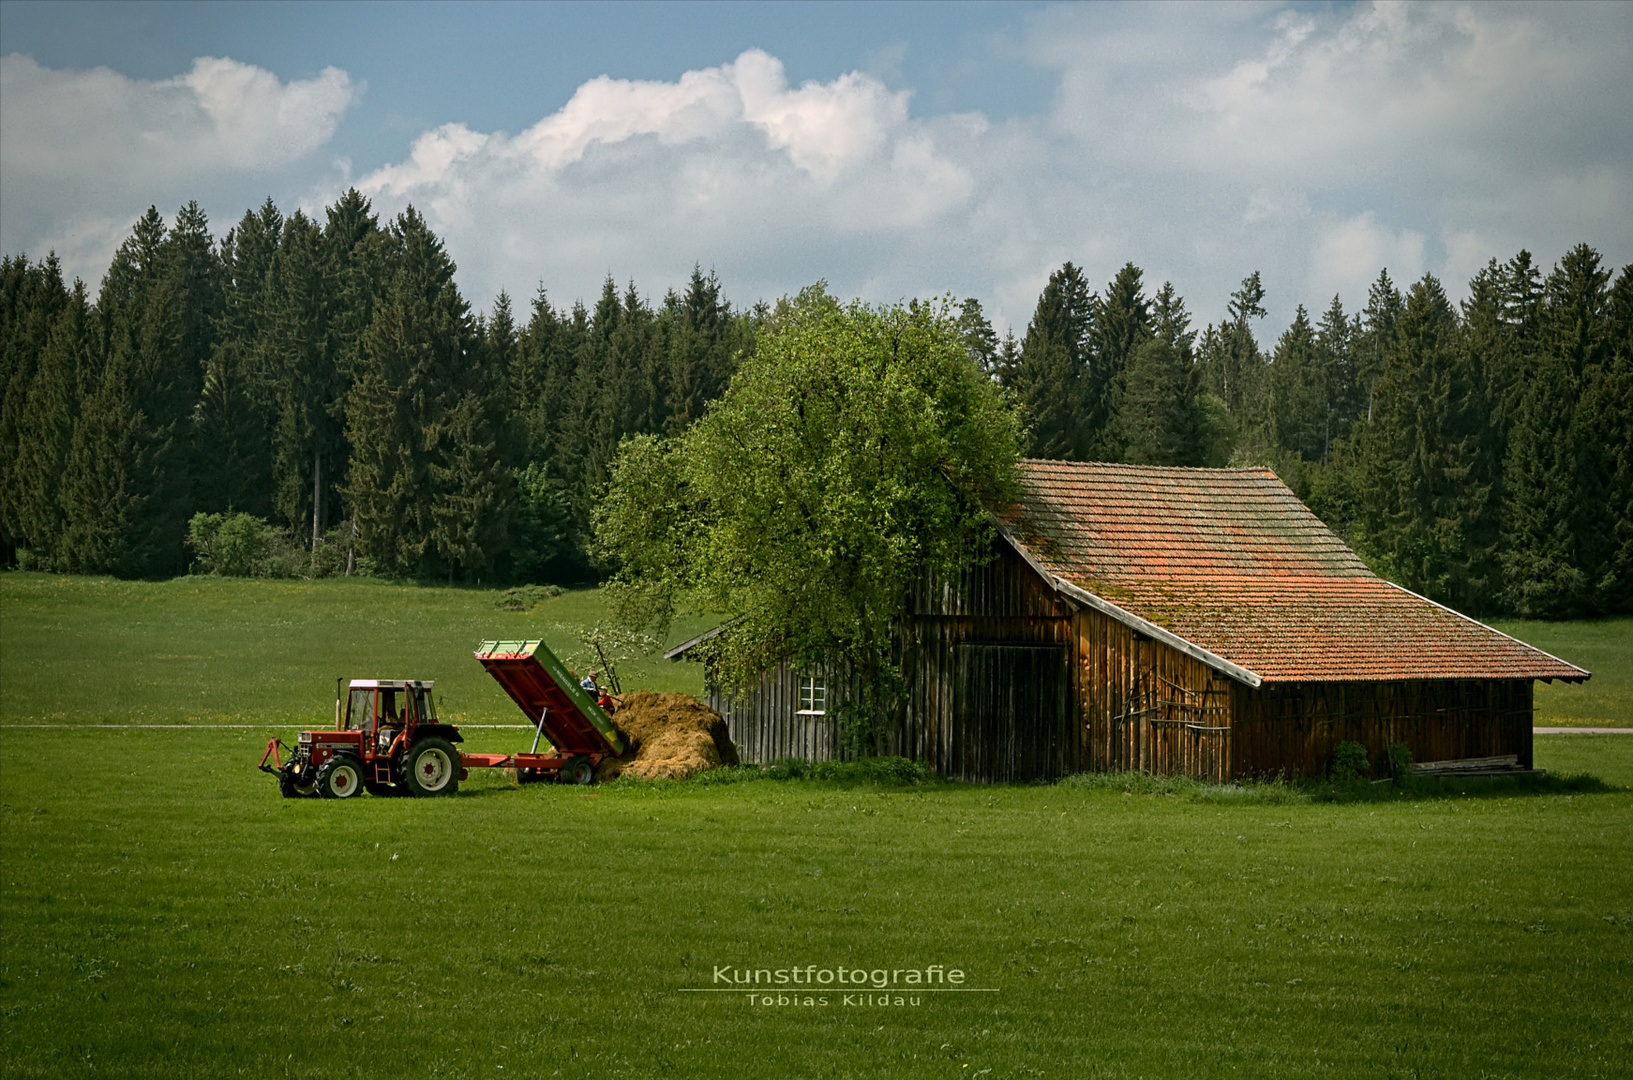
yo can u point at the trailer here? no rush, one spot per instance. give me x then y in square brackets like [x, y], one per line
[579, 730]
[388, 740]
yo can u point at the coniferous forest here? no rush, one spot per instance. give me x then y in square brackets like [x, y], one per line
[313, 397]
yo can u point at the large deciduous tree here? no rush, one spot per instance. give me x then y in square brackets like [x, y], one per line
[855, 450]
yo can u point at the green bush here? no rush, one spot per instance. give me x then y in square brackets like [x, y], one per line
[525, 598]
[238, 545]
[1350, 763]
[1400, 761]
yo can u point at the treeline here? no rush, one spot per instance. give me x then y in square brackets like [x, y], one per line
[328, 377]
[1481, 453]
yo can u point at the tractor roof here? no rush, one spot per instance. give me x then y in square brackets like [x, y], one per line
[392, 684]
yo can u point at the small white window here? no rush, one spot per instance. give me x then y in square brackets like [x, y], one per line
[813, 695]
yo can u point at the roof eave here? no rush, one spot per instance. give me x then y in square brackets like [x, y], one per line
[1128, 618]
[1582, 674]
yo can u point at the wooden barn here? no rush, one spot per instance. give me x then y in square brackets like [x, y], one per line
[1196, 621]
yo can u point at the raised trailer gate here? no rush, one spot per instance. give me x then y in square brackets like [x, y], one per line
[387, 739]
[581, 733]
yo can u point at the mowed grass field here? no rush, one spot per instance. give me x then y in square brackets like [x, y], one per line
[1602, 646]
[206, 650]
[166, 914]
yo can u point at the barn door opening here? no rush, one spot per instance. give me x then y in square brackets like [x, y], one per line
[1010, 712]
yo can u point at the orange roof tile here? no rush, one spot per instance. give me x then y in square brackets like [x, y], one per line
[1230, 562]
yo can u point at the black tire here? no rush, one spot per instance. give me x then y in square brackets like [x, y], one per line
[431, 767]
[293, 787]
[577, 770]
[340, 777]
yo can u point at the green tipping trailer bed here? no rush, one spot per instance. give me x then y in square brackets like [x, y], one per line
[562, 711]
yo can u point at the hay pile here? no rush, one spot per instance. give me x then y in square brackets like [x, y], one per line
[669, 736]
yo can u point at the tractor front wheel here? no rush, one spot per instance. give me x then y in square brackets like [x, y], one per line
[340, 777]
[294, 787]
[577, 770]
[431, 767]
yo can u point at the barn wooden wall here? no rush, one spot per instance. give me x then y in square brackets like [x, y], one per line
[1291, 728]
[764, 723]
[1005, 681]
[989, 680]
[1148, 706]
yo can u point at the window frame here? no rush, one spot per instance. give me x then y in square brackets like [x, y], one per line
[811, 691]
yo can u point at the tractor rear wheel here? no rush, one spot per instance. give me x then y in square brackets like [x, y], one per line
[577, 770]
[431, 767]
[340, 777]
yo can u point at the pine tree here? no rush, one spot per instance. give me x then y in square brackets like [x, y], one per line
[32, 297]
[979, 337]
[1335, 339]
[1426, 467]
[233, 416]
[1384, 304]
[1051, 374]
[1296, 393]
[1122, 323]
[424, 463]
[306, 437]
[160, 304]
[46, 428]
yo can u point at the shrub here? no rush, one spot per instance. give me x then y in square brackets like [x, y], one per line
[1400, 761]
[238, 545]
[525, 597]
[1350, 763]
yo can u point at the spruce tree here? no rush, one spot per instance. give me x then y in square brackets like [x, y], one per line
[1121, 324]
[306, 437]
[234, 414]
[1051, 375]
[46, 430]
[32, 297]
[1427, 474]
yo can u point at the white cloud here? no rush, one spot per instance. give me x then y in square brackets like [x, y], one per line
[1347, 256]
[79, 149]
[1202, 142]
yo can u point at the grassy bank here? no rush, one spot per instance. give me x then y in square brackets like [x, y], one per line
[217, 650]
[167, 915]
[220, 650]
[1602, 646]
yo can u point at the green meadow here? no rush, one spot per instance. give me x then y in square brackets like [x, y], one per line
[1602, 646]
[167, 915]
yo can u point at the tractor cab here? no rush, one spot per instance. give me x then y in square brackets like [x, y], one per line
[383, 709]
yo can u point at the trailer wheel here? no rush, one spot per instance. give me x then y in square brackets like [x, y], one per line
[431, 767]
[578, 770]
[340, 777]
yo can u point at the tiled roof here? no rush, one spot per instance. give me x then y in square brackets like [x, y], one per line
[1230, 562]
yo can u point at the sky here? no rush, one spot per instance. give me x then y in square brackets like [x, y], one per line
[894, 150]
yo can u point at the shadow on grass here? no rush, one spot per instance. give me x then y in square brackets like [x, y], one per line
[874, 772]
[1285, 792]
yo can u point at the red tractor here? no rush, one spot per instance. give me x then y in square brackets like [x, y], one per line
[386, 741]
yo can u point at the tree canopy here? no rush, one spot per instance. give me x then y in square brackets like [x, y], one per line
[856, 448]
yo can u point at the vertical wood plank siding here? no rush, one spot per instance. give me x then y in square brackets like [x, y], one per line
[765, 723]
[1292, 728]
[990, 686]
[1006, 681]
